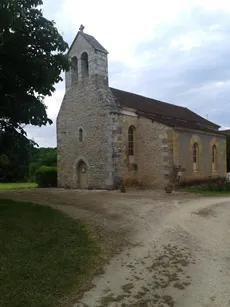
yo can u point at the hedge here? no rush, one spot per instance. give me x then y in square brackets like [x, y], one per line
[46, 176]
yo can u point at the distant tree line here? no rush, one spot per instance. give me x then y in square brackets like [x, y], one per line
[40, 157]
[20, 160]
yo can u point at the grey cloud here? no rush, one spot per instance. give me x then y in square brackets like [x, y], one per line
[181, 77]
[44, 136]
[188, 77]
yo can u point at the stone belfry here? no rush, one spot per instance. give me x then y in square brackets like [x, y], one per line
[88, 59]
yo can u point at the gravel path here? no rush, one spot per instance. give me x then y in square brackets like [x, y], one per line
[180, 257]
[179, 250]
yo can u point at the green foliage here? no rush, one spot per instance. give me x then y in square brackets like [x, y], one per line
[17, 185]
[198, 182]
[4, 166]
[39, 157]
[218, 185]
[32, 58]
[46, 176]
[44, 156]
[14, 156]
[4, 161]
[44, 256]
[49, 157]
[33, 167]
[19, 159]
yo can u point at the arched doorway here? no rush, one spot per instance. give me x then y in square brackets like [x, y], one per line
[82, 175]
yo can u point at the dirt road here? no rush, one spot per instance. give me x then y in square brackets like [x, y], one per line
[179, 251]
[182, 258]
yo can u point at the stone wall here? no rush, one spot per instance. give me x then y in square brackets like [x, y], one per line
[97, 61]
[152, 161]
[88, 105]
[182, 155]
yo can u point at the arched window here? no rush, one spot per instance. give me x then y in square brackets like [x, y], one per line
[131, 140]
[80, 135]
[84, 65]
[74, 70]
[214, 157]
[195, 157]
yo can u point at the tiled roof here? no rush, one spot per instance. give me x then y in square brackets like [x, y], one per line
[169, 114]
[91, 40]
[226, 131]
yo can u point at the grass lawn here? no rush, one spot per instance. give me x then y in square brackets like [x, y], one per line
[44, 255]
[207, 192]
[23, 185]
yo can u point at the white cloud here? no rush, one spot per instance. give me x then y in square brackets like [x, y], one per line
[197, 38]
[119, 25]
[54, 102]
[44, 136]
[186, 42]
[123, 26]
[214, 5]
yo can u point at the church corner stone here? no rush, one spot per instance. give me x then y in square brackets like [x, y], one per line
[89, 105]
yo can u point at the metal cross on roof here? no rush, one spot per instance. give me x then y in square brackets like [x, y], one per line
[81, 28]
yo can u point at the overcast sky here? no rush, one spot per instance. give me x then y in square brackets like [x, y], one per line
[176, 51]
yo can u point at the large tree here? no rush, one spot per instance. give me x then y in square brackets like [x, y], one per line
[32, 56]
[14, 157]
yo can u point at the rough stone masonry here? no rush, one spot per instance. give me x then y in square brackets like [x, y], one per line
[96, 149]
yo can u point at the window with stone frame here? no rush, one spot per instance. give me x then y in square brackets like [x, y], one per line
[214, 158]
[131, 141]
[84, 65]
[195, 157]
[74, 70]
[80, 135]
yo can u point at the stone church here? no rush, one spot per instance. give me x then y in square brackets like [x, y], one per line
[106, 135]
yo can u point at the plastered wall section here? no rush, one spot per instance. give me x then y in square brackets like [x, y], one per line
[183, 154]
[153, 151]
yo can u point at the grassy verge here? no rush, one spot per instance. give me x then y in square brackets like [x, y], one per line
[206, 192]
[19, 185]
[44, 256]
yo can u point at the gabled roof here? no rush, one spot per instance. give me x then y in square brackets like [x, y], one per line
[91, 40]
[226, 131]
[169, 114]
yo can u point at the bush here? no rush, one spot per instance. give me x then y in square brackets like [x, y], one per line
[46, 176]
[202, 182]
[211, 185]
[33, 167]
[219, 186]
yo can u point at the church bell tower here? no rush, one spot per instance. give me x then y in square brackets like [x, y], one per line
[88, 59]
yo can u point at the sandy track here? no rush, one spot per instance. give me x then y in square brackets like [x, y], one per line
[179, 251]
[181, 259]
